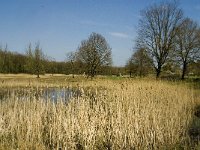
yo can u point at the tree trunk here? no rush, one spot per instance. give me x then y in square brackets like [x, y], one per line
[92, 74]
[38, 74]
[184, 70]
[72, 68]
[140, 72]
[158, 71]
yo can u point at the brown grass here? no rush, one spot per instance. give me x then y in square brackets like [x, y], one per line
[127, 114]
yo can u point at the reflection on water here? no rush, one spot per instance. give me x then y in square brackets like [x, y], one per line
[55, 94]
[52, 94]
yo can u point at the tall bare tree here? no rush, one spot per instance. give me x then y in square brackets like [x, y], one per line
[94, 52]
[157, 30]
[187, 44]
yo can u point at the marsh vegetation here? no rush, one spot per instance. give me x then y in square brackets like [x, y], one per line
[108, 114]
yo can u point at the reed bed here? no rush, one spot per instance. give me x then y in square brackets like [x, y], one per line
[131, 114]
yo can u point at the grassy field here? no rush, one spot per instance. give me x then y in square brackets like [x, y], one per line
[109, 113]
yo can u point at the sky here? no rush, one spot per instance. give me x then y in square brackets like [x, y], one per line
[60, 25]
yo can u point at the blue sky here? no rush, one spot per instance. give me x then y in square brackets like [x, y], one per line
[60, 25]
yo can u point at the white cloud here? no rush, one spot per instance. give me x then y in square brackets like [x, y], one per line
[119, 35]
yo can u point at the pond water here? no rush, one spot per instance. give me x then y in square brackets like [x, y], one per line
[52, 94]
[56, 94]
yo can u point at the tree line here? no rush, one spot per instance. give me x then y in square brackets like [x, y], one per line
[167, 42]
[34, 61]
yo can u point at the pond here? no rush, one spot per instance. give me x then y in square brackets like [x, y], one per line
[57, 94]
[52, 94]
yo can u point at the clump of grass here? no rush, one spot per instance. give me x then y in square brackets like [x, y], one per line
[129, 114]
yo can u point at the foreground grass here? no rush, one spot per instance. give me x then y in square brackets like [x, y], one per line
[125, 114]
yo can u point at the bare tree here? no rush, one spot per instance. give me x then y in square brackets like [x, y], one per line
[35, 60]
[157, 30]
[38, 60]
[94, 52]
[187, 44]
[140, 63]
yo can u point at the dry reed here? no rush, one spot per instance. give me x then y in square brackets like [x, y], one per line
[130, 114]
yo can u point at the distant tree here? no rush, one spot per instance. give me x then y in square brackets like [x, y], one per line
[157, 30]
[11, 62]
[38, 60]
[29, 60]
[105, 70]
[187, 44]
[94, 52]
[6, 60]
[140, 63]
[18, 63]
[71, 57]
[50, 65]
[171, 68]
[130, 67]
[35, 60]
[1, 60]
[194, 67]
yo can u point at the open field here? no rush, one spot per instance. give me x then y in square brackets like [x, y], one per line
[108, 114]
